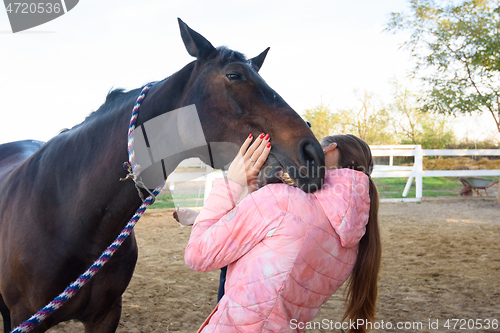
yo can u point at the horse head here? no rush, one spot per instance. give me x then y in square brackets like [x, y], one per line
[233, 100]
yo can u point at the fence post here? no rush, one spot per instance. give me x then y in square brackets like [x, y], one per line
[498, 194]
[419, 167]
[408, 184]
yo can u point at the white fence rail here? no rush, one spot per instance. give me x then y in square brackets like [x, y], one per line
[207, 175]
[416, 171]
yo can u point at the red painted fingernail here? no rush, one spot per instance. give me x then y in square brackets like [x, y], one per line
[261, 136]
[266, 137]
[268, 145]
[250, 136]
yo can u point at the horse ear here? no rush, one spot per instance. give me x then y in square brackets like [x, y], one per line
[196, 45]
[259, 60]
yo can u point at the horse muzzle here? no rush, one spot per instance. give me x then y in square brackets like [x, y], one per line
[309, 176]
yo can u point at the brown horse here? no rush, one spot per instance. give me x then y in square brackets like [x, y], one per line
[62, 204]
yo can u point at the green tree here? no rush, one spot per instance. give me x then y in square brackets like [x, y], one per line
[406, 114]
[413, 126]
[457, 51]
[366, 120]
[435, 134]
[322, 120]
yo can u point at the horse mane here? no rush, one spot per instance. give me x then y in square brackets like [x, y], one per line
[113, 94]
[113, 99]
[119, 95]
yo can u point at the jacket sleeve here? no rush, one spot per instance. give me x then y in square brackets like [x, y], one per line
[223, 232]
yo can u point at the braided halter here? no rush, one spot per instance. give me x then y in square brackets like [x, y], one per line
[73, 288]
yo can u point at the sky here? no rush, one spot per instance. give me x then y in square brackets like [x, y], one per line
[54, 75]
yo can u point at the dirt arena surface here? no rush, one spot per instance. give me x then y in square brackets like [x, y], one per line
[441, 260]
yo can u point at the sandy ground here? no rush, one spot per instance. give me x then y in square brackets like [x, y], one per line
[441, 260]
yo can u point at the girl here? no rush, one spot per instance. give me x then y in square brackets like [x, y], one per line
[288, 251]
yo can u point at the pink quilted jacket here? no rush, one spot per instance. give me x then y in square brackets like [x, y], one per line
[288, 251]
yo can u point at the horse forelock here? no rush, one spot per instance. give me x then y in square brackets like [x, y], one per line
[226, 55]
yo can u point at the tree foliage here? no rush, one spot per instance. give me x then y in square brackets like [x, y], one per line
[322, 120]
[413, 126]
[434, 134]
[457, 51]
[367, 120]
[406, 114]
[400, 122]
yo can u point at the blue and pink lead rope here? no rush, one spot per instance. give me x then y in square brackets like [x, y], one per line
[73, 288]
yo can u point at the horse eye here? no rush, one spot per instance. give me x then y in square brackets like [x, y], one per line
[233, 76]
[308, 124]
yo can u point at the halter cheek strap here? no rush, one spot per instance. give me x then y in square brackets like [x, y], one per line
[131, 166]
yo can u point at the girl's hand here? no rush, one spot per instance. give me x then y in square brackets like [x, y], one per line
[246, 165]
[185, 216]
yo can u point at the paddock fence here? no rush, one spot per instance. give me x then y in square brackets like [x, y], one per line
[195, 170]
[417, 171]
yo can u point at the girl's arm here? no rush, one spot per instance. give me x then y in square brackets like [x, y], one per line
[220, 237]
[224, 232]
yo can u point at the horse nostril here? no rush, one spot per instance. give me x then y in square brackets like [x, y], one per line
[313, 159]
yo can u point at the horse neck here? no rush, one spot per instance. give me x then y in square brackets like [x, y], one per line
[87, 162]
[163, 97]
[181, 127]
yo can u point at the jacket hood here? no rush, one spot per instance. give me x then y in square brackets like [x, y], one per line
[345, 199]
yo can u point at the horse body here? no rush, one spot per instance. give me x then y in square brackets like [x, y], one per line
[61, 203]
[58, 209]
